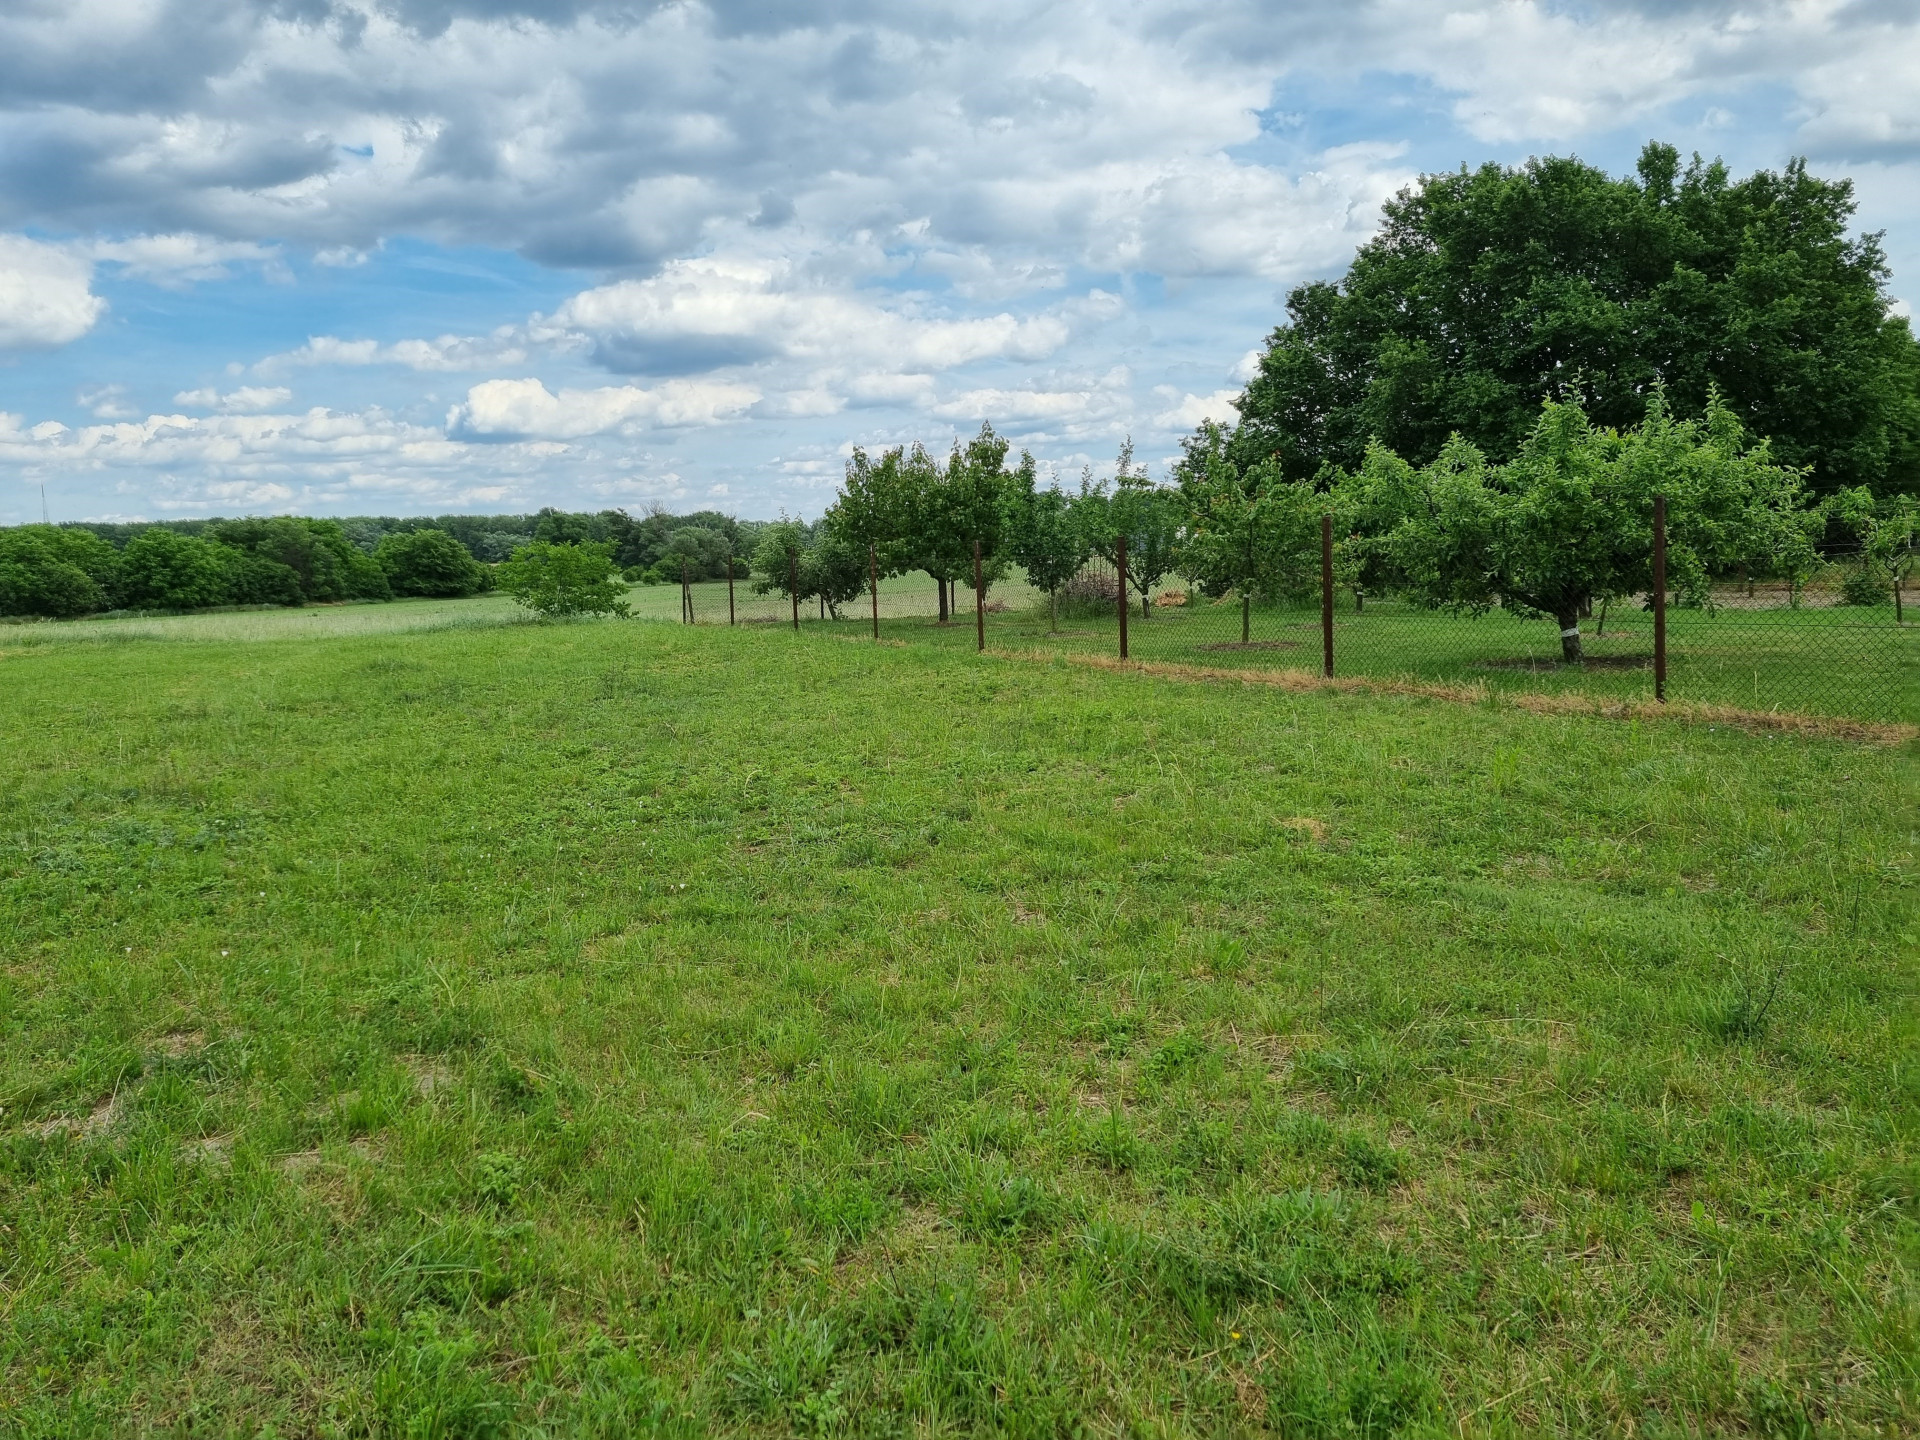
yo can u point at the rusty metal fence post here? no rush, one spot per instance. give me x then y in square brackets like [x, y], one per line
[873, 585]
[1120, 566]
[730, 587]
[793, 584]
[1326, 595]
[979, 602]
[1660, 598]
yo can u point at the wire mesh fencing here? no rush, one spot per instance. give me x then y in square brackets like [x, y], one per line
[1841, 641]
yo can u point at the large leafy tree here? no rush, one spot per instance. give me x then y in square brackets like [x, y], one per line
[955, 506]
[777, 556]
[872, 517]
[1489, 291]
[1569, 520]
[162, 569]
[54, 571]
[430, 562]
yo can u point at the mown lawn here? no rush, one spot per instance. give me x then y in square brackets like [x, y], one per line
[622, 1028]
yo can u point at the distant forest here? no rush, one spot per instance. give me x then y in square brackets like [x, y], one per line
[85, 567]
[640, 543]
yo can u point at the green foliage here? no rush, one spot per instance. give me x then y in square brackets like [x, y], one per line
[55, 572]
[832, 569]
[695, 551]
[1249, 531]
[819, 562]
[776, 559]
[1489, 291]
[1886, 529]
[163, 570]
[290, 559]
[1045, 538]
[555, 580]
[429, 562]
[876, 506]
[1152, 520]
[1569, 521]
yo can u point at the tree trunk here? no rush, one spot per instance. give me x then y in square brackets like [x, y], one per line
[1246, 618]
[1586, 608]
[1358, 600]
[1145, 613]
[1053, 609]
[1569, 618]
[1602, 630]
[942, 584]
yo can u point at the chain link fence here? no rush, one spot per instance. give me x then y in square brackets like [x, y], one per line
[1840, 642]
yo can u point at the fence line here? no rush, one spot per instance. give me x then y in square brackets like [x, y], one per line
[1835, 642]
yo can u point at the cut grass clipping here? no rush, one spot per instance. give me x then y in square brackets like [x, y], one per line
[615, 1028]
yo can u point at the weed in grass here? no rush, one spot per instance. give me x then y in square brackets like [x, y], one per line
[1743, 1016]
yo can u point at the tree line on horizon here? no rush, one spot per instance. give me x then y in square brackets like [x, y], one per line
[86, 567]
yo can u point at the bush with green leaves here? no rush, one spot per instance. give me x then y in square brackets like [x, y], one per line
[429, 563]
[162, 569]
[1569, 521]
[1886, 529]
[319, 557]
[53, 572]
[556, 580]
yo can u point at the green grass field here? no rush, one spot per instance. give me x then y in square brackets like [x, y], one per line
[420, 1024]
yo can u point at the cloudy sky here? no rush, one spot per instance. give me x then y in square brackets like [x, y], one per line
[412, 256]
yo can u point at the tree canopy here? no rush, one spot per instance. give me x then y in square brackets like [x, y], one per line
[1489, 291]
[1569, 520]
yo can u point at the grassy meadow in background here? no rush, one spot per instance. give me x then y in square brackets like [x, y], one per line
[418, 1023]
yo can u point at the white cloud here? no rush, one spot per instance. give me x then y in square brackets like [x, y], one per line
[46, 296]
[700, 314]
[246, 399]
[320, 459]
[526, 408]
[180, 258]
[106, 402]
[1190, 410]
[506, 346]
[1071, 409]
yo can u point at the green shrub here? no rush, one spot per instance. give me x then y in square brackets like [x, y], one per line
[429, 562]
[553, 580]
[256, 579]
[164, 570]
[1868, 583]
[313, 560]
[48, 572]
